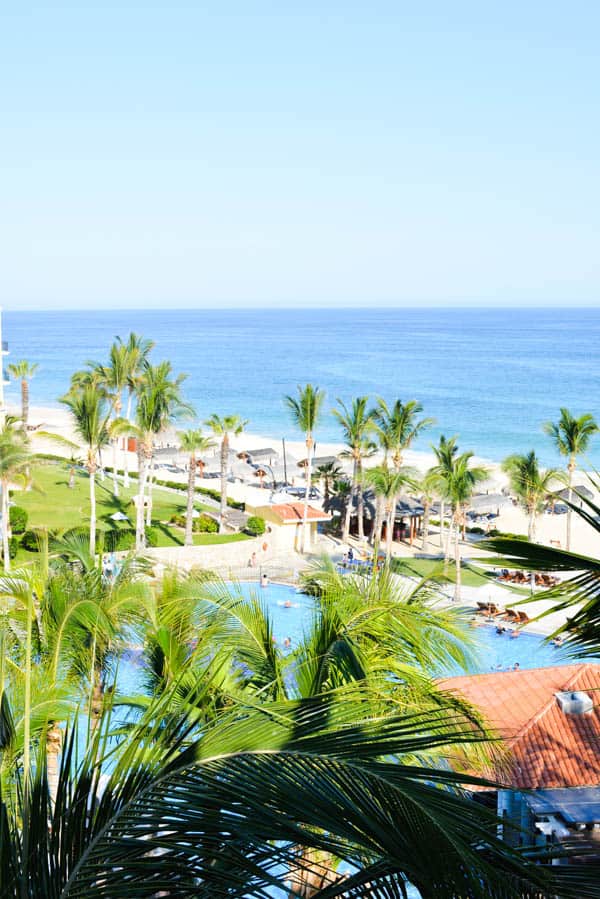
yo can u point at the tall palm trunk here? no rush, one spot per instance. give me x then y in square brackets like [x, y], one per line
[571, 469]
[114, 467]
[448, 541]
[305, 532]
[442, 511]
[377, 522]
[92, 474]
[390, 517]
[189, 538]
[314, 875]
[140, 536]
[5, 525]
[53, 750]
[150, 485]
[360, 510]
[457, 561]
[426, 508]
[27, 704]
[25, 403]
[224, 463]
[350, 505]
[531, 529]
[97, 700]
[126, 461]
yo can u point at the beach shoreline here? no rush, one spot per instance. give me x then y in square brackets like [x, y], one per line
[512, 519]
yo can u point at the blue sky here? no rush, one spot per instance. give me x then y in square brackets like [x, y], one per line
[315, 153]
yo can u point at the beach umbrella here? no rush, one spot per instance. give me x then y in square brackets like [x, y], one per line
[119, 516]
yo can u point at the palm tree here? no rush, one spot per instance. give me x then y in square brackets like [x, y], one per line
[291, 784]
[530, 485]
[398, 426]
[458, 479]
[571, 437]
[15, 457]
[305, 411]
[224, 427]
[91, 413]
[192, 442]
[137, 351]
[355, 422]
[114, 378]
[429, 487]
[328, 474]
[23, 371]
[159, 404]
[444, 453]
[387, 484]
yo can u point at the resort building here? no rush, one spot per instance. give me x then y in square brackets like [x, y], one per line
[288, 519]
[408, 520]
[549, 719]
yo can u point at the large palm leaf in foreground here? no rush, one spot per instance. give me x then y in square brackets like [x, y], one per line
[259, 796]
[578, 595]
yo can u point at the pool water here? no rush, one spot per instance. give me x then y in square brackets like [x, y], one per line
[291, 613]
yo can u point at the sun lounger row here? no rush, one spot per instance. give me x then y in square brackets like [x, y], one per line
[491, 610]
[524, 577]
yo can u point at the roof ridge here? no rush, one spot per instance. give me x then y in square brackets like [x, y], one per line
[548, 705]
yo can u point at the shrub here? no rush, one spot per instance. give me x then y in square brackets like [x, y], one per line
[476, 530]
[255, 526]
[205, 525]
[125, 541]
[13, 546]
[152, 535]
[18, 519]
[30, 541]
[178, 520]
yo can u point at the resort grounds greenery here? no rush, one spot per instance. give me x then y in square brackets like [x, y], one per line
[231, 765]
[52, 505]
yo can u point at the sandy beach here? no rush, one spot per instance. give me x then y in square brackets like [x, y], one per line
[551, 529]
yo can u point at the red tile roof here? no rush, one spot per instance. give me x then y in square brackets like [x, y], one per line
[548, 748]
[295, 512]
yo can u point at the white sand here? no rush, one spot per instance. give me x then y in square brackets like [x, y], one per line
[550, 529]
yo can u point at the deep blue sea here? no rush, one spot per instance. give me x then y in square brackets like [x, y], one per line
[492, 376]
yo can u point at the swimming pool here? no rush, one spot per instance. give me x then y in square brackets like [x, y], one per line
[495, 652]
[291, 613]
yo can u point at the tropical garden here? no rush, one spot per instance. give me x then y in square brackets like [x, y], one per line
[156, 739]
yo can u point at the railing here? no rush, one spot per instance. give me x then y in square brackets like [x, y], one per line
[274, 571]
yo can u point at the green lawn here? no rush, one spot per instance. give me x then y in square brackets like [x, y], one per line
[472, 575]
[53, 505]
[434, 569]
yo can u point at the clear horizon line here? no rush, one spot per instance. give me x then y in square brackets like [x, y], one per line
[304, 308]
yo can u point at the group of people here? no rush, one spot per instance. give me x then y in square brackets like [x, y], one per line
[110, 566]
[348, 557]
[513, 633]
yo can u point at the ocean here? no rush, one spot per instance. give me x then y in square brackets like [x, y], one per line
[492, 376]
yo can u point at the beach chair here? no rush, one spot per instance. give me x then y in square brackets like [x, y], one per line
[523, 617]
[511, 615]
